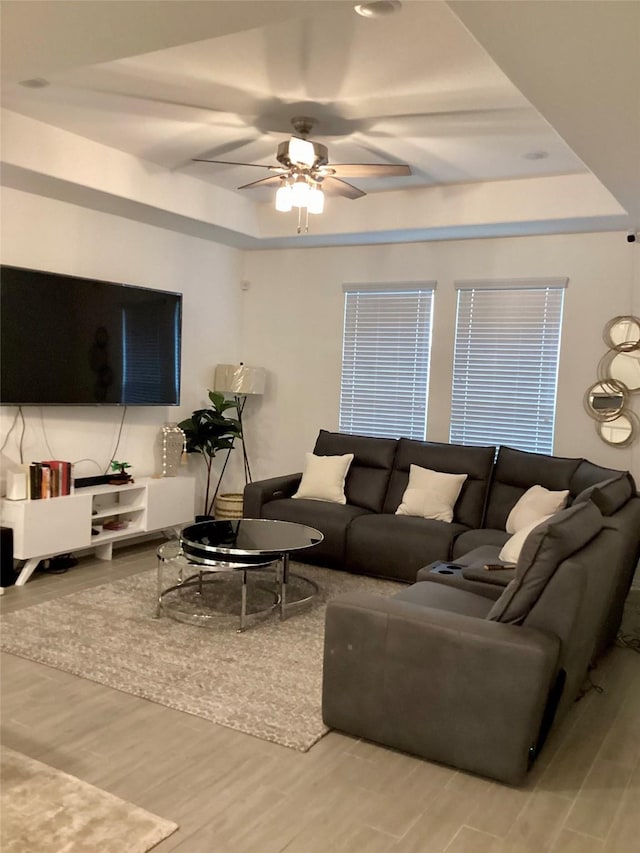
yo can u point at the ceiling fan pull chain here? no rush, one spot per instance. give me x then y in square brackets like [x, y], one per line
[306, 220]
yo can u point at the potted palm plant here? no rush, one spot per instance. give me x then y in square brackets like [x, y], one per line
[208, 431]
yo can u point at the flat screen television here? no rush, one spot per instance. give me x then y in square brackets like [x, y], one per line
[74, 341]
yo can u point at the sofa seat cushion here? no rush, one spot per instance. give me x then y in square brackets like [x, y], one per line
[443, 597]
[548, 545]
[331, 519]
[498, 578]
[470, 540]
[396, 546]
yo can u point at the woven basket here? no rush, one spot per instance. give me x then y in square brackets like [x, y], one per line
[228, 505]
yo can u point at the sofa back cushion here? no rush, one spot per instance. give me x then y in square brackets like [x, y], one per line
[516, 471]
[545, 548]
[475, 462]
[587, 474]
[368, 475]
[609, 494]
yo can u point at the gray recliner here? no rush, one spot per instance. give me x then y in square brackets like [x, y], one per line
[459, 678]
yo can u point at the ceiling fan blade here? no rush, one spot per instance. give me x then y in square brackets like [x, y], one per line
[231, 163]
[263, 182]
[369, 170]
[336, 186]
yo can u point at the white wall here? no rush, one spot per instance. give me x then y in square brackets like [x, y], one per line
[289, 320]
[293, 314]
[47, 234]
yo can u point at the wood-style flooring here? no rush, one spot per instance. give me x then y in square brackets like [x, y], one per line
[232, 793]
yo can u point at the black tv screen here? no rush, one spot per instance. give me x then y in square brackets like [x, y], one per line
[74, 341]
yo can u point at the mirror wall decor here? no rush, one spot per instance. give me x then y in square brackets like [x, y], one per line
[620, 431]
[607, 401]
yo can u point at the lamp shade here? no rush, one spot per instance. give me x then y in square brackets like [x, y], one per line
[239, 379]
[283, 198]
[315, 203]
[301, 151]
[300, 192]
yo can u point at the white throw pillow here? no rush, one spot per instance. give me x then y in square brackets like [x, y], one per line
[323, 478]
[512, 547]
[536, 503]
[431, 494]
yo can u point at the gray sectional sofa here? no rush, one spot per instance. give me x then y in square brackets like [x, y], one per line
[365, 536]
[464, 666]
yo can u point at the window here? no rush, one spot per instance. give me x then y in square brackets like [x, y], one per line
[506, 363]
[385, 359]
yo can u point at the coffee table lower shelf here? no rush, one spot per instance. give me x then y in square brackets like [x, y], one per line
[201, 593]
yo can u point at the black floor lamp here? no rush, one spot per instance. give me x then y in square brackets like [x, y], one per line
[242, 381]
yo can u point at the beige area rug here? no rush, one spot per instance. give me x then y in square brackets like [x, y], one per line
[266, 681]
[45, 810]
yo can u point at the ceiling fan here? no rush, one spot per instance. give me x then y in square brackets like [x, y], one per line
[304, 174]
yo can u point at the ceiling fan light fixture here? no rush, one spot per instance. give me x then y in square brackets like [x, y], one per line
[300, 192]
[301, 152]
[315, 200]
[284, 201]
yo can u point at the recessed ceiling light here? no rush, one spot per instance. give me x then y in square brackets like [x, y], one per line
[378, 8]
[536, 155]
[35, 83]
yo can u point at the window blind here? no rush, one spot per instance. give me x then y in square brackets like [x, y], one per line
[506, 365]
[385, 360]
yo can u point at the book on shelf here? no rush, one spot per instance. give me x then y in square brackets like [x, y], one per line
[50, 478]
[35, 481]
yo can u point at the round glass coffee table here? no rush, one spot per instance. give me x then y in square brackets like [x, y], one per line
[242, 546]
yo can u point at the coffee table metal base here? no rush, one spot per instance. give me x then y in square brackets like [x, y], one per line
[193, 603]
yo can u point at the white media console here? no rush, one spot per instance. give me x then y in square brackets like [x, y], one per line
[45, 528]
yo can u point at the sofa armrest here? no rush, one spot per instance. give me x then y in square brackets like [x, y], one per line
[452, 688]
[259, 493]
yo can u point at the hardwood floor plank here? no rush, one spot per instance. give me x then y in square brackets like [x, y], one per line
[536, 828]
[469, 840]
[573, 842]
[365, 840]
[622, 743]
[568, 769]
[597, 802]
[438, 825]
[495, 807]
[624, 834]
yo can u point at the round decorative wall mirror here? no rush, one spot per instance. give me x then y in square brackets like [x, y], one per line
[624, 367]
[622, 333]
[621, 431]
[605, 400]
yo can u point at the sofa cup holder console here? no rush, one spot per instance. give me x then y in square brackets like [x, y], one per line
[446, 569]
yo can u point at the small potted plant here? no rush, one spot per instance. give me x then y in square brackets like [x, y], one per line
[121, 478]
[208, 431]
